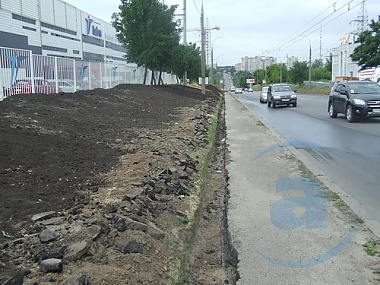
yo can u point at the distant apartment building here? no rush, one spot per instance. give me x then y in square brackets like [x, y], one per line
[238, 67]
[290, 60]
[257, 62]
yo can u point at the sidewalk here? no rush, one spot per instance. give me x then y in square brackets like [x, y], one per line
[286, 228]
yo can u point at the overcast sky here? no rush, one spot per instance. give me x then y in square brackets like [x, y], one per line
[264, 28]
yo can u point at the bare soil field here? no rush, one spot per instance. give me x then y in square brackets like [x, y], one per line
[118, 186]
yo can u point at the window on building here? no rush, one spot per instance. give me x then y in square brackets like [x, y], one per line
[62, 36]
[29, 29]
[23, 19]
[59, 29]
[54, 48]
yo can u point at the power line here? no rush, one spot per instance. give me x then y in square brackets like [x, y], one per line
[295, 40]
[289, 43]
[308, 22]
[196, 7]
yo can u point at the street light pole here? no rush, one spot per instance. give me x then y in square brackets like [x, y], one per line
[309, 58]
[212, 60]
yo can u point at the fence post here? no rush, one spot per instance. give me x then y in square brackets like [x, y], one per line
[75, 76]
[101, 74]
[56, 74]
[89, 75]
[32, 70]
[2, 95]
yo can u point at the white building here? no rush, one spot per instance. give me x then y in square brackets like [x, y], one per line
[251, 64]
[238, 67]
[290, 61]
[342, 64]
[56, 28]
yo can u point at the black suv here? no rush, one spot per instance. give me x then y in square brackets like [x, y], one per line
[355, 99]
[281, 94]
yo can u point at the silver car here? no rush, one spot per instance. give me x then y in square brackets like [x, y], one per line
[281, 94]
[263, 95]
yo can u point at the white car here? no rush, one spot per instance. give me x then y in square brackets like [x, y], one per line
[239, 91]
[263, 95]
[233, 89]
[65, 85]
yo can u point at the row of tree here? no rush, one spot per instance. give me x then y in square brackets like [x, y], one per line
[151, 36]
[277, 73]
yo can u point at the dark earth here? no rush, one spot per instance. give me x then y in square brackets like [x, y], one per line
[117, 186]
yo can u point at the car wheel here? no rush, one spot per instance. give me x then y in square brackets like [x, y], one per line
[268, 103]
[295, 104]
[350, 115]
[332, 111]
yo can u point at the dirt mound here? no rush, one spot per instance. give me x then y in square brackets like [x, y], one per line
[100, 187]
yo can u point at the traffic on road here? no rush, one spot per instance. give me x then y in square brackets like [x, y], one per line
[349, 154]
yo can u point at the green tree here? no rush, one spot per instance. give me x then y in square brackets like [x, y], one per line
[319, 70]
[367, 53]
[328, 64]
[259, 75]
[273, 73]
[241, 77]
[277, 73]
[186, 58]
[299, 72]
[320, 74]
[230, 69]
[318, 63]
[284, 76]
[147, 31]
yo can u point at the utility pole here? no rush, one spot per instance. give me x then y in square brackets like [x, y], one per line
[310, 67]
[184, 23]
[203, 54]
[184, 37]
[309, 58]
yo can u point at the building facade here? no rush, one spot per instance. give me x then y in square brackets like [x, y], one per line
[56, 28]
[49, 46]
[290, 61]
[251, 64]
[342, 64]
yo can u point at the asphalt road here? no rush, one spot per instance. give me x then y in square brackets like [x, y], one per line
[349, 154]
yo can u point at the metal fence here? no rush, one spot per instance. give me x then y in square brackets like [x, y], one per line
[24, 72]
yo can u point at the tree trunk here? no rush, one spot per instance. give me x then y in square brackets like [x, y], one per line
[145, 72]
[160, 78]
[152, 80]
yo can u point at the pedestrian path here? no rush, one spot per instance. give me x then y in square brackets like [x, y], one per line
[285, 226]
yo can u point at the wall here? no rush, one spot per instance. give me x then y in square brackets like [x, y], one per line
[55, 28]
